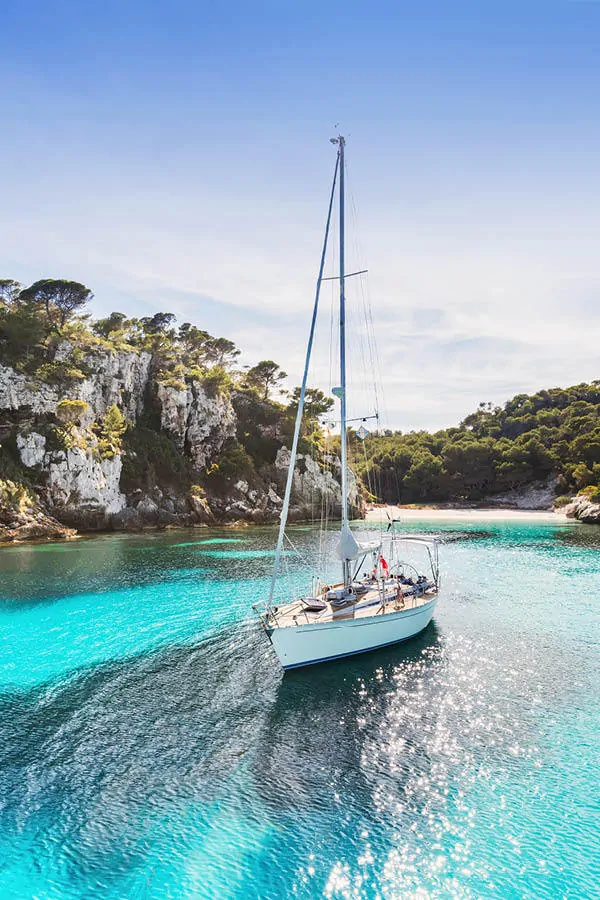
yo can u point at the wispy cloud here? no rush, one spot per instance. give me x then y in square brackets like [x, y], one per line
[187, 169]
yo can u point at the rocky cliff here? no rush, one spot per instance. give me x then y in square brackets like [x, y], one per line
[167, 471]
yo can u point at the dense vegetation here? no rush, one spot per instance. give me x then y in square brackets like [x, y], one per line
[46, 333]
[493, 450]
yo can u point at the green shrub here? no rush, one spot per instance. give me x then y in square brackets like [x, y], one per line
[69, 412]
[195, 374]
[233, 463]
[68, 437]
[15, 497]
[60, 373]
[592, 492]
[217, 380]
[150, 458]
[562, 501]
[111, 432]
[172, 382]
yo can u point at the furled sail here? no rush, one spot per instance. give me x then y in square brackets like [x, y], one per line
[349, 548]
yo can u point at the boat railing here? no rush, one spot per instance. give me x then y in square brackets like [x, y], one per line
[261, 607]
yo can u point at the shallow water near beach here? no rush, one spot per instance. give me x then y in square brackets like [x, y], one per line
[150, 746]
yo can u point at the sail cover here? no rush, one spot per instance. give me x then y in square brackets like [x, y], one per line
[349, 548]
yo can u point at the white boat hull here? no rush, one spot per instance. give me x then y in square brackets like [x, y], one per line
[309, 644]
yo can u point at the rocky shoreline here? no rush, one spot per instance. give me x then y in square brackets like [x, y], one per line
[63, 474]
[584, 509]
[27, 517]
[32, 524]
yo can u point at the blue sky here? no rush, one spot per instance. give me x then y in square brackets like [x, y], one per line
[175, 156]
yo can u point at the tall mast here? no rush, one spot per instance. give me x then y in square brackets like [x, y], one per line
[290, 475]
[344, 453]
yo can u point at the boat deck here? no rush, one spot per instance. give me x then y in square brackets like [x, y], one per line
[374, 602]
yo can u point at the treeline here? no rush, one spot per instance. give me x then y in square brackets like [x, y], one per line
[47, 333]
[495, 449]
[36, 320]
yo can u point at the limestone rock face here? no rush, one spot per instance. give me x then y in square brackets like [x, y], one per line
[199, 424]
[582, 508]
[18, 392]
[312, 485]
[118, 378]
[81, 488]
[32, 448]
[77, 480]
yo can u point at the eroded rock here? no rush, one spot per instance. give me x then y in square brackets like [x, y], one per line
[78, 478]
[32, 448]
[582, 508]
[198, 423]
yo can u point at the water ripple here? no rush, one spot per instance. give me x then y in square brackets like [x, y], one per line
[182, 765]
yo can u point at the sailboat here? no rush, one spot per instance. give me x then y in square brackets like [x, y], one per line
[380, 599]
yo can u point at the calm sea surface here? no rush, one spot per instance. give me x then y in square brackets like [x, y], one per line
[150, 746]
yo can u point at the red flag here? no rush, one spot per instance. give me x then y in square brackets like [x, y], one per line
[384, 566]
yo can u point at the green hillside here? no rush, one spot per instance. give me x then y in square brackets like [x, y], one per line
[493, 450]
[47, 334]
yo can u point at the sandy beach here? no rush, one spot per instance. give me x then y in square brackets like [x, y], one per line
[434, 514]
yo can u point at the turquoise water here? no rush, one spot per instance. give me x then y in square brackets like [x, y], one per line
[150, 747]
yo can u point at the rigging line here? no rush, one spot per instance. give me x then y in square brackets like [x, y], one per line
[290, 476]
[367, 305]
[374, 348]
[313, 490]
[325, 504]
[332, 316]
[349, 275]
[365, 295]
[292, 545]
[302, 555]
[372, 473]
[370, 339]
[367, 470]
